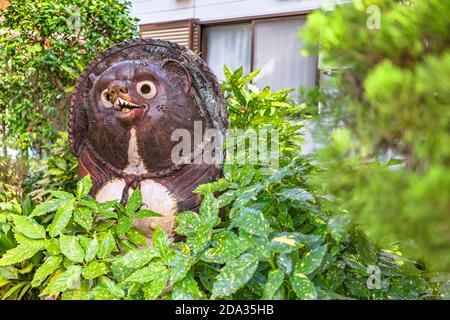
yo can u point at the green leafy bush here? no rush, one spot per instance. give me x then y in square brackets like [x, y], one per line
[387, 155]
[44, 46]
[255, 236]
[58, 171]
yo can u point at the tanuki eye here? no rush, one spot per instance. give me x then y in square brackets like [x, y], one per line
[146, 89]
[106, 99]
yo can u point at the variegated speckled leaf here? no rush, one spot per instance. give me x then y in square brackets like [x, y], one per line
[180, 265]
[106, 290]
[94, 269]
[71, 248]
[297, 194]
[212, 187]
[226, 198]
[83, 187]
[153, 289]
[62, 218]
[187, 289]
[274, 282]
[83, 216]
[311, 261]
[125, 265]
[136, 237]
[25, 250]
[64, 281]
[303, 287]
[160, 241]
[28, 227]
[123, 226]
[107, 244]
[90, 248]
[253, 221]
[147, 274]
[134, 202]
[226, 245]
[209, 209]
[289, 241]
[234, 275]
[47, 206]
[47, 268]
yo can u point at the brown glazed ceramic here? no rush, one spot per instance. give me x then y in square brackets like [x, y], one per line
[124, 108]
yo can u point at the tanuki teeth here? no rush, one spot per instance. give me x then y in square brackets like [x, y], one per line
[121, 105]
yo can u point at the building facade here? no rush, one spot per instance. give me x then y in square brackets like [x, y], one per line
[254, 34]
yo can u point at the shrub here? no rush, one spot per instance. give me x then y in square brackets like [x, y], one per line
[387, 149]
[44, 45]
[273, 239]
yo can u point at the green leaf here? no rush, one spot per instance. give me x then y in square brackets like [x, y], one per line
[83, 187]
[187, 289]
[212, 187]
[226, 198]
[188, 222]
[83, 216]
[297, 194]
[52, 246]
[107, 290]
[28, 227]
[209, 207]
[180, 265]
[62, 218]
[62, 195]
[94, 269]
[64, 281]
[338, 225]
[289, 241]
[47, 268]
[144, 213]
[311, 261]
[71, 248]
[253, 221]
[47, 206]
[81, 293]
[123, 226]
[107, 245]
[136, 237]
[245, 175]
[274, 282]
[234, 275]
[161, 241]
[123, 266]
[147, 274]
[153, 289]
[134, 202]
[106, 209]
[23, 251]
[303, 287]
[90, 249]
[225, 247]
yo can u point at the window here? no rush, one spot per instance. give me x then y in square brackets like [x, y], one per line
[272, 45]
[230, 45]
[277, 54]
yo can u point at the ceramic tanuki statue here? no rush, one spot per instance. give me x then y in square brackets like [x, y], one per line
[124, 109]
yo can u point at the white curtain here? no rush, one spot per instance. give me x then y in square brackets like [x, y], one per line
[227, 45]
[277, 54]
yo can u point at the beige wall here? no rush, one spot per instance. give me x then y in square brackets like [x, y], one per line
[151, 11]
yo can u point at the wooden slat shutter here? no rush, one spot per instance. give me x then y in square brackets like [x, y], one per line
[185, 33]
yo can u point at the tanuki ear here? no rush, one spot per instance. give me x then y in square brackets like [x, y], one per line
[178, 73]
